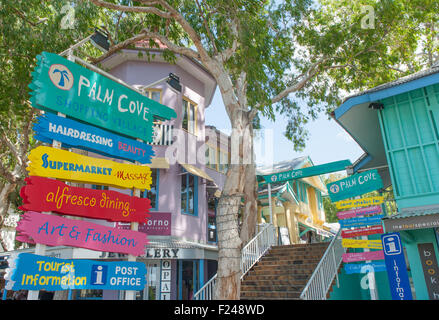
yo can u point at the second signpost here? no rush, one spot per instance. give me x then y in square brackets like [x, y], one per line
[60, 85]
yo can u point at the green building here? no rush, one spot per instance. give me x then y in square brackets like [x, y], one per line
[397, 126]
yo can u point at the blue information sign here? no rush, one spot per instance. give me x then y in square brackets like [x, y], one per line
[358, 222]
[396, 267]
[374, 266]
[33, 272]
[72, 133]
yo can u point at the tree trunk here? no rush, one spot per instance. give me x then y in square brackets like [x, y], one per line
[239, 184]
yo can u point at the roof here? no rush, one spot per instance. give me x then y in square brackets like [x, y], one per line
[397, 82]
[362, 124]
[417, 212]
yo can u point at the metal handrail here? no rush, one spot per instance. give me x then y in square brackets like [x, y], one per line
[257, 247]
[206, 292]
[327, 269]
[251, 253]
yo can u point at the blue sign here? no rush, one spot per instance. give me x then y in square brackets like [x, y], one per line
[361, 221]
[354, 185]
[374, 266]
[33, 272]
[72, 133]
[396, 267]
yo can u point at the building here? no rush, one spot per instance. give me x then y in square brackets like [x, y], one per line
[297, 204]
[396, 124]
[182, 253]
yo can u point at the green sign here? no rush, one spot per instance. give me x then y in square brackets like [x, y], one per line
[307, 172]
[354, 185]
[63, 86]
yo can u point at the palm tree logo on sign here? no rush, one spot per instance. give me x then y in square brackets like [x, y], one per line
[61, 76]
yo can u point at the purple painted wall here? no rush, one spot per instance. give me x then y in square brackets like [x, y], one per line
[187, 148]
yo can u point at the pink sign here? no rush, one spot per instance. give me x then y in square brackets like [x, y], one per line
[52, 230]
[363, 256]
[159, 224]
[359, 212]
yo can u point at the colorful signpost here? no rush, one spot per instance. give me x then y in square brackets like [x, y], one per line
[43, 194]
[355, 185]
[34, 272]
[396, 267]
[65, 165]
[63, 86]
[71, 133]
[364, 215]
[66, 88]
[52, 230]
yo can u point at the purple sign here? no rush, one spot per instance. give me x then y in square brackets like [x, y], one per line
[159, 224]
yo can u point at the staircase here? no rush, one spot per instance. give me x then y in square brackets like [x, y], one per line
[282, 272]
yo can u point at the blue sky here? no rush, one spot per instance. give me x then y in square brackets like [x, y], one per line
[327, 140]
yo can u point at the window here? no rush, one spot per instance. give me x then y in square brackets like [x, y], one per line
[302, 191]
[189, 188]
[319, 200]
[153, 193]
[211, 219]
[189, 115]
[99, 187]
[223, 161]
[154, 94]
[210, 157]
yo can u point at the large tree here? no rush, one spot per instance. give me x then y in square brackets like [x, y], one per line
[266, 56]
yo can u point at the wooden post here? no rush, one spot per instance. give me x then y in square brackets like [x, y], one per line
[269, 203]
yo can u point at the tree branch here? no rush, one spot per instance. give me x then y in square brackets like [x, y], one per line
[123, 8]
[304, 78]
[206, 25]
[171, 14]
[145, 34]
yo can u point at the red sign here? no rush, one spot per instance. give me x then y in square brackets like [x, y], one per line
[361, 232]
[159, 224]
[52, 230]
[43, 194]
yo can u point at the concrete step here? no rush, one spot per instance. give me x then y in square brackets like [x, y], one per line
[262, 282]
[264, 288]
[282, 272]
[289, 262]
[287, 268]
[281, 277]
[270, 295]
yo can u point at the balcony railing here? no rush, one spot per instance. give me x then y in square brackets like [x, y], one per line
[162, 135]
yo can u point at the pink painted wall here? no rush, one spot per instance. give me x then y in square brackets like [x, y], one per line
[185, 148]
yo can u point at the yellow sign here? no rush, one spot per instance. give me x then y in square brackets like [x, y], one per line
[65, 165]
[369, 244]
[365, 202]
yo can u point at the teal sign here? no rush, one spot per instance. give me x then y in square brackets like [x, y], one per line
[63, 86]
[307, 172]
[354, 185]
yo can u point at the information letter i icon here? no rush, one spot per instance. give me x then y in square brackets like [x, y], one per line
[99, 273]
